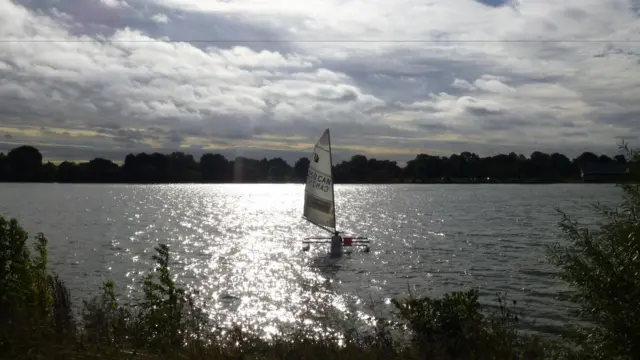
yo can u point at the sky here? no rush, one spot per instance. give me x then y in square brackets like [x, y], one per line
[391, 78]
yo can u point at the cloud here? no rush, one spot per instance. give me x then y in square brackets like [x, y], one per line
[389, 78]
[160, 18]
[115, 3]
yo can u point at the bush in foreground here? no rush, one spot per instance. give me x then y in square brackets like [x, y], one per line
[603, 267]
[166, 323]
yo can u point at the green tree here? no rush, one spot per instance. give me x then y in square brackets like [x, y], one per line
[214, 168]
[602, 266]
[300, 169]
[27, 299]
[5, 168]
[25, 162]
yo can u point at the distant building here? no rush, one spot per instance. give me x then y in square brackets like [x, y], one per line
[603, 172]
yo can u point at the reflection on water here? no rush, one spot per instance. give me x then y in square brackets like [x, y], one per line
[240, 246]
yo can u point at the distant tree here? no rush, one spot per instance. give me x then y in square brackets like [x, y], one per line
[248, 170]
[604, 159]
[5, 168]
[25, 162]
[214, 168]
[562, 167]
[300, 169]
[456, 166]
[278, 170]
[142, 168]
[418, 168]
[181, 168]
[540, 165]
[48, 172]
[68, 172]
[620, 159]
[585, 158]
[101, 170]
[160, 163]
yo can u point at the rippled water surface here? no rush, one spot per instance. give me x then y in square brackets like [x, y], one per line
[239, 245]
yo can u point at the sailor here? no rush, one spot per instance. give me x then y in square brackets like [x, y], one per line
[336, 244]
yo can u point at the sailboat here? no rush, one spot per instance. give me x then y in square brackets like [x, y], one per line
[319, 200]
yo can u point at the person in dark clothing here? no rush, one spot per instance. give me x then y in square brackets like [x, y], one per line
[336, 244]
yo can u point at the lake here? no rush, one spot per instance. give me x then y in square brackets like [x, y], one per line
[239, 245]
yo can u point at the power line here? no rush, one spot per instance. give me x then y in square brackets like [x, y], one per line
[311, 41]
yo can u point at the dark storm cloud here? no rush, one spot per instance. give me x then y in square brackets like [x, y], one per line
[494, 3]
[483, 111]
[577, 133]
[435, 128]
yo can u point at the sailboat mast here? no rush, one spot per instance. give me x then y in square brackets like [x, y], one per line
[333, 194]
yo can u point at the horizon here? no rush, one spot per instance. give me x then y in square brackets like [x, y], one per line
[103, 78]
[291, 159]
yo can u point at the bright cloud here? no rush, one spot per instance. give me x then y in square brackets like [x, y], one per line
[391, 78]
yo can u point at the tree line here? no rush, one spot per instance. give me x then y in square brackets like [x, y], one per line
[25, 164]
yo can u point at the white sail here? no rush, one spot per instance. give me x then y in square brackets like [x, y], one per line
[319, 206]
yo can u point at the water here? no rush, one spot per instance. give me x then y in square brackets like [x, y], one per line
[239, 245]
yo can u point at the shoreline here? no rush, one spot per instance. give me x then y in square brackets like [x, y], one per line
[26, 164]
[532, 182]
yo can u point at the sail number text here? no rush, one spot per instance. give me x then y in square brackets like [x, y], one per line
[317, 181]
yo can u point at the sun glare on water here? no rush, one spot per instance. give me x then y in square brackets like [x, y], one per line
[239, 247]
